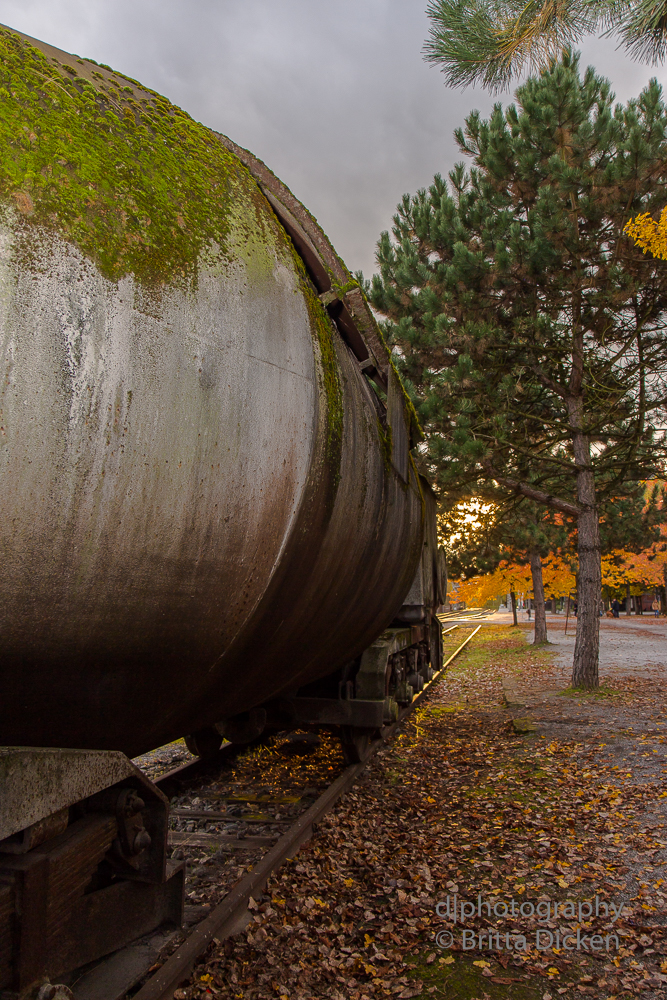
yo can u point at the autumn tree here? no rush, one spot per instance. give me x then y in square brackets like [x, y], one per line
[634, 541]
[558, 573]
[492, 41]
[530, 331]
[527, 529]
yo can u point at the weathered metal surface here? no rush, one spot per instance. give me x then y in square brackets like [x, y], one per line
[153, 467]
[70, 891]
[36, 834]
[201, 508]
[106, 920]
[371, 679]
[428, 589]
[35, 783]
[327, 271]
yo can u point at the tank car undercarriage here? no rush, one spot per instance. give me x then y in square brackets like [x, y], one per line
[356, 701]
[89, 872]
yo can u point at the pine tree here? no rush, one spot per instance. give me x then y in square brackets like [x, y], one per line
[633, 521]
[528, 327]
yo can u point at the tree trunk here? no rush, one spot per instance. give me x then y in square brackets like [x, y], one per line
[513, 600]
[628, 599]
[538, 595]
[587, 643]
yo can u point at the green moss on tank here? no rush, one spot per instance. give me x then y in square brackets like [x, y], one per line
[386, 444]
[412, 418]
[255, 235]
[341, 289]
[332, 388]
[136, 184]
[412, 421]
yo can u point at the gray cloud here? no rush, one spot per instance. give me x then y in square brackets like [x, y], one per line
[334, 96]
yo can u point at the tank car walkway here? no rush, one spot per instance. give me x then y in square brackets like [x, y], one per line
[559, 799]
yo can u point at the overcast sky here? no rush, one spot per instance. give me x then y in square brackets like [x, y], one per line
[333, 94]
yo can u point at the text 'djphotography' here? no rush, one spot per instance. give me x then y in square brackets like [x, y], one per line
[544, 925]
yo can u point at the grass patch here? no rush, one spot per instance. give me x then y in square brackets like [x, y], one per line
[603, 691]
[456, 975]
[524, 726]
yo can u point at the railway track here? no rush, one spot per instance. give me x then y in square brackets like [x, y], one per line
[469, 614]
[231, 832]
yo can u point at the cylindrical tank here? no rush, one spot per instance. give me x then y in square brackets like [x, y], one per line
[203, 501]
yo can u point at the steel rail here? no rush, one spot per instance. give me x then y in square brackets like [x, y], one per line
[463, 617]
[225, 918]
[462, 646]
[444, 616]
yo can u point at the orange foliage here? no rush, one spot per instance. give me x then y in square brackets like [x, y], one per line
[559, 576]
[559, 581]
[642, 570]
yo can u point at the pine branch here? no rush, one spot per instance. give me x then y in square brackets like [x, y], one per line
[479, 41]
[529, 452]
[643, 28]
[549, 383]
[487, 42]
[526, 490]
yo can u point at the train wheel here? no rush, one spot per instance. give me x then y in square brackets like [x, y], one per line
[356, 743]
[204, 743]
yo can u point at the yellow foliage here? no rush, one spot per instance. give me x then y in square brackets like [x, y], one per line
[648, 234]
[558, 576]
[640, 570]
[559, 581]
[615, 569]
[468, 519]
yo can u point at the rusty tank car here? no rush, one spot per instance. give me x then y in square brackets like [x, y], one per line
[212, 521]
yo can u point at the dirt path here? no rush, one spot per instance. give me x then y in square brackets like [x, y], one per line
[545, 818]
[629, 647]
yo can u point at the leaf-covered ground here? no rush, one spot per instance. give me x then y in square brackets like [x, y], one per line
[564, 804]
